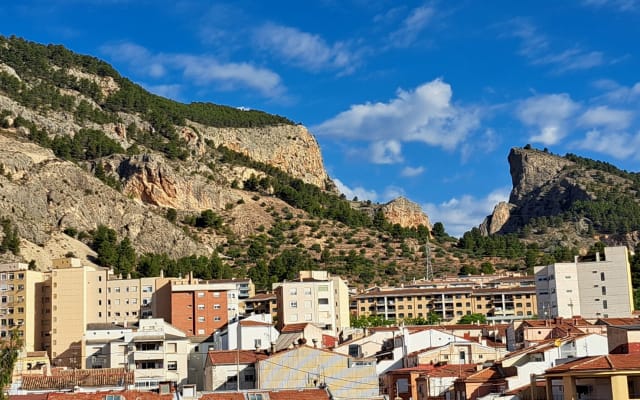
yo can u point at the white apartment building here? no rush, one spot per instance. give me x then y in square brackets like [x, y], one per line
[316, 297]
[155, 350]
[598, 288]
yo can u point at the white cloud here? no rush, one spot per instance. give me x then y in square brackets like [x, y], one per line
[304, 49]
[549, 114]
[536, 47]
[412, 171]
[386, 152]
[425, 114]
[412, 25]
[359, 192]
[617, 145]
[607, 117]
[202, 69]
[614, 92]
[459, 215]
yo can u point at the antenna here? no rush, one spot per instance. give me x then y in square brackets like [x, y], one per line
[429, 271]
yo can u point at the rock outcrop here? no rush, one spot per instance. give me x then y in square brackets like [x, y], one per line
[42, 195]
[493, 223]
[405, 213]
[531, 170]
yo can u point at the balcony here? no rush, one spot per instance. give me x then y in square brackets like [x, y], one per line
[148, 355]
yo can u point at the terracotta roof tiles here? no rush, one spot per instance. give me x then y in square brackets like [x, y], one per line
[234, 356]
[68, 379]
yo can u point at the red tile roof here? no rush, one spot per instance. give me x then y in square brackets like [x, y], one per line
[254, 323]
[291, 328]
[68, 379]
[600, 363]
[127, 394]
[262, 297]
[232, 356]
[284, 394]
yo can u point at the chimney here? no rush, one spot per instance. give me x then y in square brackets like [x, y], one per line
[597, 256]
[161, 273]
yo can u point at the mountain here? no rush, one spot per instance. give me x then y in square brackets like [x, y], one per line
[567, 200]
[93, 165]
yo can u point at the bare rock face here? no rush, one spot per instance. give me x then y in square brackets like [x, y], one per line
[405, 213]
[288, 147]
[150, 179]
[532, 169]
[494, 222]
[43, 195]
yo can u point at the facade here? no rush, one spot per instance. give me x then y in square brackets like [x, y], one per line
[599, 288]
[308, 367]
[316, 298]
[231, 370]
[262, 303]
[155, 351]
[499, 304]
[255, 332]
[456, 353]
[424, 381]
[21, 304]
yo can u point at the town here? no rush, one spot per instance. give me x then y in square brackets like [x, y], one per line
[568, 331]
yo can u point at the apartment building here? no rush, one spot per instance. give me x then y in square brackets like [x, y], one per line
[592, 288]
[499, 304]
[316, 297]
[20, 304]
[262, 303]
[155, 350]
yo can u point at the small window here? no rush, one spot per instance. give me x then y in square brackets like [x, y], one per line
[172, 365]
[114, 397]
[293, 291]
[200, 294]
[216, 318]
[604, 290]
[323, 301]
[602, 276]
[604, 304]
[293, 304]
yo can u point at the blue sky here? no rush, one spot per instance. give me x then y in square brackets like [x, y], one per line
[420, 99]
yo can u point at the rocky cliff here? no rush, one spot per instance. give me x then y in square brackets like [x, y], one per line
[43, 195]
[406, 213]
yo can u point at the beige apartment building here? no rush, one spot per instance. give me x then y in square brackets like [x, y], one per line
[20, 304]
[500, 304]
[316, 297]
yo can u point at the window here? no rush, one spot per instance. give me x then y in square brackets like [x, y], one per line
[307, 291]
[116, 301]
[147, 289]
[323, 288]
[323, 301]
[200, 306]
[249, 378]
[293, 304]
[200, 294]
[307, 317]
[116, 289]
[604, 304]
[604, 290]
[216, 306]
[217, 318]
[602, 276]
[133, 289]
[256, 396]
[216, 294]
[200, 319]
[113, 397]
[133, 301]
[257, 343]
[293, 291]
[172, 365]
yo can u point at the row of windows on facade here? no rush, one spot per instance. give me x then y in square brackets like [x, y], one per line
[11, 276]
[10, 287]
[449, 297]
[420, 306]
[307, 303]
[307, 290]
[553, 277]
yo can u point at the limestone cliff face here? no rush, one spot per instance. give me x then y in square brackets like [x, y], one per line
[405, 213]
[152, 180]
[289, 147]
[543, 185]
[43, 195]
[531, 170]
[494, 222]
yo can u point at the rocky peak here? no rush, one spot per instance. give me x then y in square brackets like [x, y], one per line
[531, 169]
[405, 213]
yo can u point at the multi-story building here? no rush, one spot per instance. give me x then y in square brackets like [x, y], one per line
[197, 308]
[20, 304]
[597, 288]
[316, 297]
[155, 350]
[262, 303]
[499, 304]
